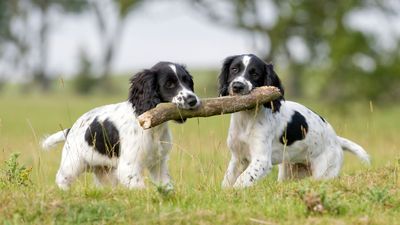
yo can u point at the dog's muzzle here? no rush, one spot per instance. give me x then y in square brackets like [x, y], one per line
[186, 100]
[238, 88]
[192, 101]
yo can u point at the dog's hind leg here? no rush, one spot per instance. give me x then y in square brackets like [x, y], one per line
[328, 164]
[284, 171]
[71, 167]
[104, 176]
[293, 171]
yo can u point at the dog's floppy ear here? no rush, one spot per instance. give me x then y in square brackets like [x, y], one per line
[272, 78]
[144, 91]
[224, 75]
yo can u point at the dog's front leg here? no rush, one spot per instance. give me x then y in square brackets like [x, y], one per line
[159, 172]
[260, 165]
[130, 166]
[232, 173]
[130, 174]
[160, 175]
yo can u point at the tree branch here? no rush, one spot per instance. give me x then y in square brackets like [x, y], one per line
[209, 107]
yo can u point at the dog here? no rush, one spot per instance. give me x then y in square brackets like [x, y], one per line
[109, 140]
[279, 132]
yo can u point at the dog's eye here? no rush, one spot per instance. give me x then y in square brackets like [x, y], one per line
[253, 73]
[169, 84]
[235, 70]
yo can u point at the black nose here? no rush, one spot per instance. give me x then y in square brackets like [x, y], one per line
[237, 87]
[191, 100]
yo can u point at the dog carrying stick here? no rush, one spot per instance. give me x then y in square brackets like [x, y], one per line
[209, 107]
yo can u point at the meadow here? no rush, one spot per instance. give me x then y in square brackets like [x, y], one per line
[361, 195]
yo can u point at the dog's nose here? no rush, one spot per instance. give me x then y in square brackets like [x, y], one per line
[237, 87]
[191, 100]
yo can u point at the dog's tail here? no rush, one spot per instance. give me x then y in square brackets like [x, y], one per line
[51, 141]
[354, 148]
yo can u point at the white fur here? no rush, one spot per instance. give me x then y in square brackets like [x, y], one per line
[246, 60]
[173, 67]
[139, 150]
[50, 141]
[253, 140]
[183, 94]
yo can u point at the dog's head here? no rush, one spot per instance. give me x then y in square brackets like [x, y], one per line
[164, 82]
[242, 73]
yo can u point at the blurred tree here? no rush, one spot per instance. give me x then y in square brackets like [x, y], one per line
[44, 7]
[29, 41]
[353, 62]
[4, 20]
[5, 17]
[85, 82]
[111, 30]
[13, 44]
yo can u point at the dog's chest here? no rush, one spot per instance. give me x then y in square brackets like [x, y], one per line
[158, 145]
[241, 131]
[239, 146]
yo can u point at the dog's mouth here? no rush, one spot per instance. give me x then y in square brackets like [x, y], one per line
[187, 106]
[191, 102]
[238, 94]
[245, 91]
[239, 88]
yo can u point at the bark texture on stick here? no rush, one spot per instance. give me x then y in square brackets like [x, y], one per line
[209, 107]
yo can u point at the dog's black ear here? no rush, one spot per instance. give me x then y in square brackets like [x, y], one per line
[272, 79]
[191, 83]
[224, 75]
[144, 91]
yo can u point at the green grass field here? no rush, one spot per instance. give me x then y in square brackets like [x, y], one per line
[362, 195]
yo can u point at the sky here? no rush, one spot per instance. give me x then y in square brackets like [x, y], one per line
[173, 31]
[166, 31]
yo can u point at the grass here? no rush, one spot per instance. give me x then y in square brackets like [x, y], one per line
[362, 195]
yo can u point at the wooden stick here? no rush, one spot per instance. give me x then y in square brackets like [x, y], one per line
[209, 107]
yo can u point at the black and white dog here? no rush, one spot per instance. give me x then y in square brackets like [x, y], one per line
[280, 132]
[109, 140]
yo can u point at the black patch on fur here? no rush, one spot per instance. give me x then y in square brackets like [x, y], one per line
[296, 129]
[189, 82]
[251, 178]
[67, 132]
[104, 137]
